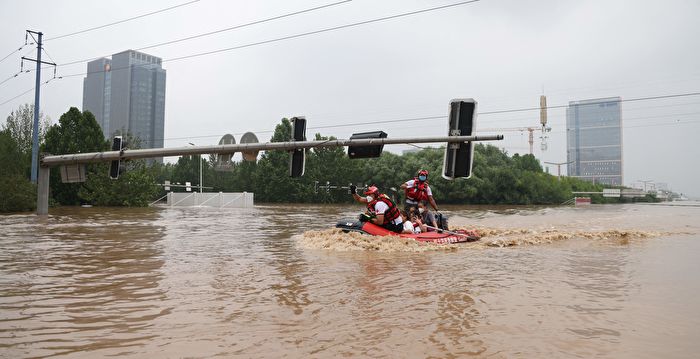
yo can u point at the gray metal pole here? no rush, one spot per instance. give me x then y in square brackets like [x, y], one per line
[42, 198]
[76, 158]
[200, 174]
[35, 129]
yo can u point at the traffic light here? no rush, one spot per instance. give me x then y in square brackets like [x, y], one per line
[114, 165]
[459, 156]
[297, 157]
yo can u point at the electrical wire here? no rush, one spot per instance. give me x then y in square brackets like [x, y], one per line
[21, 71]
[660, 124]
[23, 93]
[626, 111]
[334, 28]
[585, 104]
[31, 89]
[13, 52]
[278, 39]
[398, 120]
[121, 21]
[11, 77]
[235, 27]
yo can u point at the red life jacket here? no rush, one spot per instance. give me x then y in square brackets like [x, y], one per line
[419, 191]
[391, 214]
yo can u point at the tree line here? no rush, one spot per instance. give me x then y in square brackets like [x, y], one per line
[497, 178]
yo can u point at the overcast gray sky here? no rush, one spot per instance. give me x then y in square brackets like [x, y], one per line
[503, 53]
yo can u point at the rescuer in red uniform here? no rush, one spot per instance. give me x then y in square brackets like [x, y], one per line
[381, 210]
[418, 190]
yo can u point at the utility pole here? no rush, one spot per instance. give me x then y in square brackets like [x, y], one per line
[37, 91]
[558, 164]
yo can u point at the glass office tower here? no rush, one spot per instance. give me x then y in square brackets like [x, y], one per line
[594, 140]
[127, 95]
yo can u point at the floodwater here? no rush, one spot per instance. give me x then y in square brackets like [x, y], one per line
[614, 281]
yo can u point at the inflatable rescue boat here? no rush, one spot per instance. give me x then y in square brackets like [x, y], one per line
[440, 237]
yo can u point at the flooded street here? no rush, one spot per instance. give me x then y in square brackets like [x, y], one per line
[615, 281]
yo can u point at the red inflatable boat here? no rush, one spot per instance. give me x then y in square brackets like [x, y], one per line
[441, 237]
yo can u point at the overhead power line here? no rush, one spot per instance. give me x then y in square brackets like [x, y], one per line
[13, 52]
[413, 119]
[676, 122]
[30, 90]
[627, 111]
[435, 8]
[20, 95]
[334, 28]
[10, 77]
[568, 105]
[661, 124]
[289, 37]
[121, 21]
[658, 124]
[235, 27]
[437, 117]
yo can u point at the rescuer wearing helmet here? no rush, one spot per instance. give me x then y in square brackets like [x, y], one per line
[418, 190]
[381, 210]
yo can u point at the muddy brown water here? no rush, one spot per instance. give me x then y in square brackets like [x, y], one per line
[616, 281]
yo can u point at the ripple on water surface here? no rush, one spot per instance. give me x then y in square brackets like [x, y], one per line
[276, 281]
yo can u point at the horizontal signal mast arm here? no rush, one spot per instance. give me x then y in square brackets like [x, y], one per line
[76, 158]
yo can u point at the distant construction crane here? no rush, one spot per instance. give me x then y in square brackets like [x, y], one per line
[531, 134]
[530, 129]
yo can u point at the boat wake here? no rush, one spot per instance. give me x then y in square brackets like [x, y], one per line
[495, 237]
[336, 240]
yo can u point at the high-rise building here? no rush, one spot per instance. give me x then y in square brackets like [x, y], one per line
[127, 95]
[594, 140]
[97, 91]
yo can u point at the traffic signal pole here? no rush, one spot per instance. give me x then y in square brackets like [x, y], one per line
[80, 158]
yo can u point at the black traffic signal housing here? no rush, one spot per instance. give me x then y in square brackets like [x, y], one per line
[297, 157]
[115, 165]
[459, 156]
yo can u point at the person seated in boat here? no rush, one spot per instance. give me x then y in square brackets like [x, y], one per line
[381, 210]
[427, 217]
[417, 190]
[411, 224]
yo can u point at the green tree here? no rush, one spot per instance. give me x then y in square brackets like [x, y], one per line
[135, 187]
[497, 178]
[17, 194]
[271, 176]
[76, 132]
[20, 123]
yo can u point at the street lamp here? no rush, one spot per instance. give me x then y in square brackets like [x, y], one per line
[200, 170]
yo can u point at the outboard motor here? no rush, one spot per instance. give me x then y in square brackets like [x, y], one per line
[441, 220]
[350, 225]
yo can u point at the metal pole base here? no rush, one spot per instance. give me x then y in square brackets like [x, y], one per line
[42, 191]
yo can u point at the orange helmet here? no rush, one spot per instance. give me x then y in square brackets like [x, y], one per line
[372, 190]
